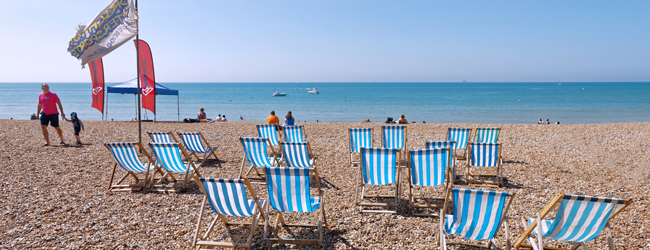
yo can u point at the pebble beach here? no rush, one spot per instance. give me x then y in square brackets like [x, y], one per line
[56, 197]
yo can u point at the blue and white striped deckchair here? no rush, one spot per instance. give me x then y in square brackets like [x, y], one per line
[126, 156]
[193, 142]
[296, 154]
[162, 137]
[487, 135]
[378, 167]
[578, 219]
[428, 168]
[288, 191]
[256, 156]
[393, 137]
[477, 215]
[485, 155]
[168, 156]
[227, 197]
[461, 137]
[294, 133]
[359, 138]
[269, 131]
[452, 158]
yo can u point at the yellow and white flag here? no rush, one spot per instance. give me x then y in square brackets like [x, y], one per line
[111, 28]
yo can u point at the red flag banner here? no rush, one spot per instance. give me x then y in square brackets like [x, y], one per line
[147, 76]
[97, 76]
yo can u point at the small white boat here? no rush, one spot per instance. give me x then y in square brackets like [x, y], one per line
[313, 91]
[277, 93]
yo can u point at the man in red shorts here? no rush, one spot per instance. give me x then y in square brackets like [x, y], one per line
[48, 101]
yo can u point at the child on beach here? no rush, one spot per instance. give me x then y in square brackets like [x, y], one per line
[78, 125]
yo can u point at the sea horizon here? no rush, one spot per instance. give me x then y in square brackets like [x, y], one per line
[431, 102]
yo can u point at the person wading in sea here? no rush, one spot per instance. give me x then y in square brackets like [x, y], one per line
[47, 102]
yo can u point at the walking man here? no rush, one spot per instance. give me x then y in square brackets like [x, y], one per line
[49, 115]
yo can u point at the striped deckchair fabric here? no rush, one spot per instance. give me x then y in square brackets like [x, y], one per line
[446, 144]
[256, 156]
[193, 142]
[393, 137]
[296, 154]
[162, 137]
[126, 156]
[485, 155]
[269, 131]
[168, 156]
[461, 137]
[428, 168]
[487, 135]
[477, 215]
[378, 167]
[288, 191]
[578, 219]
[228, 197]
[293, 133]
[359, 138]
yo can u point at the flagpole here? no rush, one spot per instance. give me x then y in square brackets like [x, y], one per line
[137, 49]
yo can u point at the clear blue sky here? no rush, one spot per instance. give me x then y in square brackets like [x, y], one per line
[342, 41]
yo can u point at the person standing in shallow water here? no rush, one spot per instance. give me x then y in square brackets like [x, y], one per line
[49, 115]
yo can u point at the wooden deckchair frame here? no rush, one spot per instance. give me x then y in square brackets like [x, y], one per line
[157, 186]
[170, 133]
[412, 199]
[303, 132]
[405, 149]
[361, 204]
[261, 176]
[205, 155]
[353, 163]
[546, 211]
[441, 241]
[487, 183]
[138, 186]
[282, 222]
[462, 155]
[198, 243]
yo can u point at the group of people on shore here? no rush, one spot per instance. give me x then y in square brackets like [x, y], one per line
[547, 122]
[48, 114]
[288, 120]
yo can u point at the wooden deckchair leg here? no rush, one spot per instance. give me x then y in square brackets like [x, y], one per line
[123, 178]
[198, 224]
[322, 206]
[575, 246]
[610, 241]
[241, 168]
[540, 244]
[110, 182]
[508, 244]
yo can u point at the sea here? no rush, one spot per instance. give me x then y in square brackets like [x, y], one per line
[438, 102]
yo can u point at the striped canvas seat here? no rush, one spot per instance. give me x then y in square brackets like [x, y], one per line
[477, 214]
[168, 156]
[126, 157]
[293, 133]
[428, 166]
[255, 150]
[487, 135]
[288, 191]
[193, 143]
[578, 219]
[297, 154]
[445, 144]
[161, 137]
[460, 136]
[268, 131]
[378, 165]
[484, 154]
[393, 137]
[227, 197]
[359, 138]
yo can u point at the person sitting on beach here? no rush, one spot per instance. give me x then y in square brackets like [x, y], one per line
[547, 122]
[402, 120]
[272, 119]
[77, 124]
[201, 116]
[289, 120]
[217, 119]
[557, 123]
[33, 117]
[223, 119]
[540, 121]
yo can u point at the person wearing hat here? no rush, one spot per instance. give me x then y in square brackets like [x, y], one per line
[78, 126]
